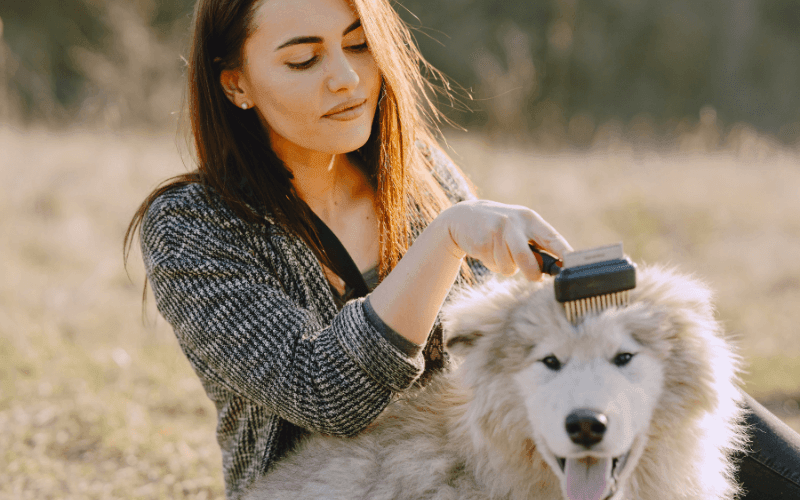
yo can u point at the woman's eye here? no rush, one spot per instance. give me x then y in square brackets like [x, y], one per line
[304, 64]
[358, 48]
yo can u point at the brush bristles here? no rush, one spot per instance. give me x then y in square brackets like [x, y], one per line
[576, 309]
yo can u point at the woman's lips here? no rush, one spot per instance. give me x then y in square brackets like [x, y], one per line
[349, 113]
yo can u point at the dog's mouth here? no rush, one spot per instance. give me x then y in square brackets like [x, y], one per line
[592, 478]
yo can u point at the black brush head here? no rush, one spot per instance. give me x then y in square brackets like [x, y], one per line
[592, 280]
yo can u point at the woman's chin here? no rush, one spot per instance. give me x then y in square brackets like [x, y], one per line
[343, 141]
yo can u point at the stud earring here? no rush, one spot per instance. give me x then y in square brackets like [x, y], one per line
[245, 105]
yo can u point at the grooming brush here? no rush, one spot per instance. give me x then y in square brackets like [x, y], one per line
[590, 281]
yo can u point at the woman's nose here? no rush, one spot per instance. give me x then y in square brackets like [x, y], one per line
[341, 73]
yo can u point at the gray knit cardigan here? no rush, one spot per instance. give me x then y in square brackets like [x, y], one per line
[258, 322]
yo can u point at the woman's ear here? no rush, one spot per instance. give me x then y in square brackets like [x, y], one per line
[232, 82]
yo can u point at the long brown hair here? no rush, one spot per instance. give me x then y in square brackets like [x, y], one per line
[233, 149]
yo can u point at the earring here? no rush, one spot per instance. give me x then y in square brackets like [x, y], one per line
[245, 105]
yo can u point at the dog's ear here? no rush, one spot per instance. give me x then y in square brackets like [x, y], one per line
[460, 343]
[679, 305]
[474, 313]
[463, 324]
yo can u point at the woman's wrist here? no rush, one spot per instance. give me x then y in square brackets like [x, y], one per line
[406, 346]
[409, 298]
[445, 220]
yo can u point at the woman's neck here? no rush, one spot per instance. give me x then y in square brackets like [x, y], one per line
[328, 185]
[327, 182]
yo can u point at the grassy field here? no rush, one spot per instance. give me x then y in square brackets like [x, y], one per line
[96, 402]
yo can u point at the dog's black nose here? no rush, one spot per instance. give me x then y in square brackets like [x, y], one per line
[586, 427]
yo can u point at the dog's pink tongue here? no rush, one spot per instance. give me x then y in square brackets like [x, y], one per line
[587, 478]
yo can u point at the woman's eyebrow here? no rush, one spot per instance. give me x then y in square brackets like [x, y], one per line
[299, 40]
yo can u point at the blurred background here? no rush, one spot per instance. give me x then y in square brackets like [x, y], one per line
[672, 126]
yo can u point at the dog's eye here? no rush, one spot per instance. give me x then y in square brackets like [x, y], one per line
[622, 358]
[552, 362]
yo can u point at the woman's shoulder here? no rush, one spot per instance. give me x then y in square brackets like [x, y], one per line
[199, 202]
[182, 204]
[193, 211]
[181, 197]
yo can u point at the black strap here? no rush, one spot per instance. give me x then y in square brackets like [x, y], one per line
[347, 269]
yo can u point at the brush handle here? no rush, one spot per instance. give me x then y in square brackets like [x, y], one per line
[547, 263]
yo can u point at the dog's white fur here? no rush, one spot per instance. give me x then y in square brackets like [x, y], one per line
[493, 427]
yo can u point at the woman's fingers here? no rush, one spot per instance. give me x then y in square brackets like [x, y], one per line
[498, 235]
[545, 236]
[503, 257]
[532, 227]
[524, 257]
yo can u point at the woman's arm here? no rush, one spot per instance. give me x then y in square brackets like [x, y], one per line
[409, 298]
[249, 311]
[247, 323]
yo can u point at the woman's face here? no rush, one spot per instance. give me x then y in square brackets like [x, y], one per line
[304, 61]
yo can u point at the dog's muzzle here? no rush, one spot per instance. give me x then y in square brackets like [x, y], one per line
[589, 477]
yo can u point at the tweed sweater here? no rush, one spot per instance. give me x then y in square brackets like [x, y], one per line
[259, 324]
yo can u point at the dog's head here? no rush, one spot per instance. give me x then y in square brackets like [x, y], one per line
[590, 396]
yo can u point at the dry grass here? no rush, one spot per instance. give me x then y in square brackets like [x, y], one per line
[96, 404]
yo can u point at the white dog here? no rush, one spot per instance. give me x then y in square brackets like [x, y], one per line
[638, 402]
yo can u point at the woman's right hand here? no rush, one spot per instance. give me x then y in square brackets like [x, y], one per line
[498, 235]
[409, 298]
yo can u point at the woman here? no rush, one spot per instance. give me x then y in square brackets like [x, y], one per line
[304, 110]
